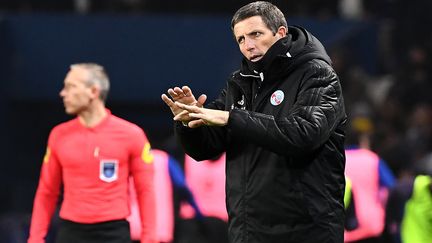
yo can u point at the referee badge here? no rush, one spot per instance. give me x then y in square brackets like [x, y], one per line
[108, 170]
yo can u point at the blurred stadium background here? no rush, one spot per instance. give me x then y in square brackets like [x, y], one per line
[380, 49]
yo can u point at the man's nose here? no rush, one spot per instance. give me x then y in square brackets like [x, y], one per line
[249, 44]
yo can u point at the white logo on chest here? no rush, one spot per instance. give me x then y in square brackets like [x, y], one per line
[277, 97]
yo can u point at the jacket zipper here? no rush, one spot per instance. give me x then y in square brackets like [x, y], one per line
[247, 103]
[261, 76]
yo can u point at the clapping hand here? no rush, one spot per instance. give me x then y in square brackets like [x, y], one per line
[202, 116]
[184, 96]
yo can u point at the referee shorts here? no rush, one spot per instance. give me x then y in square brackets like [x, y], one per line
[116, 231]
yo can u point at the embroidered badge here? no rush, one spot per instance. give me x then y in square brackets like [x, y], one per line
[277, 97]
[108, 170]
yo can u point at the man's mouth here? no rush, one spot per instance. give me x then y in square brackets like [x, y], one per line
[255, 58]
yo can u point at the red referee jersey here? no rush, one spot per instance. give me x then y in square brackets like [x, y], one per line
[94, 164]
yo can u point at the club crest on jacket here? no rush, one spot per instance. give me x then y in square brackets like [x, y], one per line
[277, 97]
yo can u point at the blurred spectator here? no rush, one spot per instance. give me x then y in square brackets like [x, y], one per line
[206, 180]
[412, 84]
[409, 208]
[168, 176]
[370, 180]
[419, 131]
[351, 9]
[82, 6]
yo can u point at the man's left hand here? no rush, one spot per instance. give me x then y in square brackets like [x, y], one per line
[204, 116]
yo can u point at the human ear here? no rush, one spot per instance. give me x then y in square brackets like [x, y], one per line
[95, 91]
[282, 31]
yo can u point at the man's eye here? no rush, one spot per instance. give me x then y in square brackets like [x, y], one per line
[69, 86]
[240, 40]
[257, 34]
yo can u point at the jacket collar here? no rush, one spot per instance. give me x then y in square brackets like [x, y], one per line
[298, 47]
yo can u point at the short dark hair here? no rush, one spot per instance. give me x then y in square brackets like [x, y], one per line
[271, 15]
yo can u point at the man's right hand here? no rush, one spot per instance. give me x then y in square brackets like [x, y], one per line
[185, 96]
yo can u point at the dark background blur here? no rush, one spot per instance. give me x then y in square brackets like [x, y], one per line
[380, 50]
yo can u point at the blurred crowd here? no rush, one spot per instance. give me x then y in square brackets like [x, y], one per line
[393, 106]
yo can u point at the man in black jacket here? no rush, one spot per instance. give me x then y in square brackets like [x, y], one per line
[281, 121]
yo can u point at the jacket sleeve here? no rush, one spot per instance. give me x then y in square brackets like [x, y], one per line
[313, 118]
[47, 194]
[204, 142]
[142, 169]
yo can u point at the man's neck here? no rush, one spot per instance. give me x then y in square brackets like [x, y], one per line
[92, 116]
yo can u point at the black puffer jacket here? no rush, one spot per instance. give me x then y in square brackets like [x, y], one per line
[285, 145]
